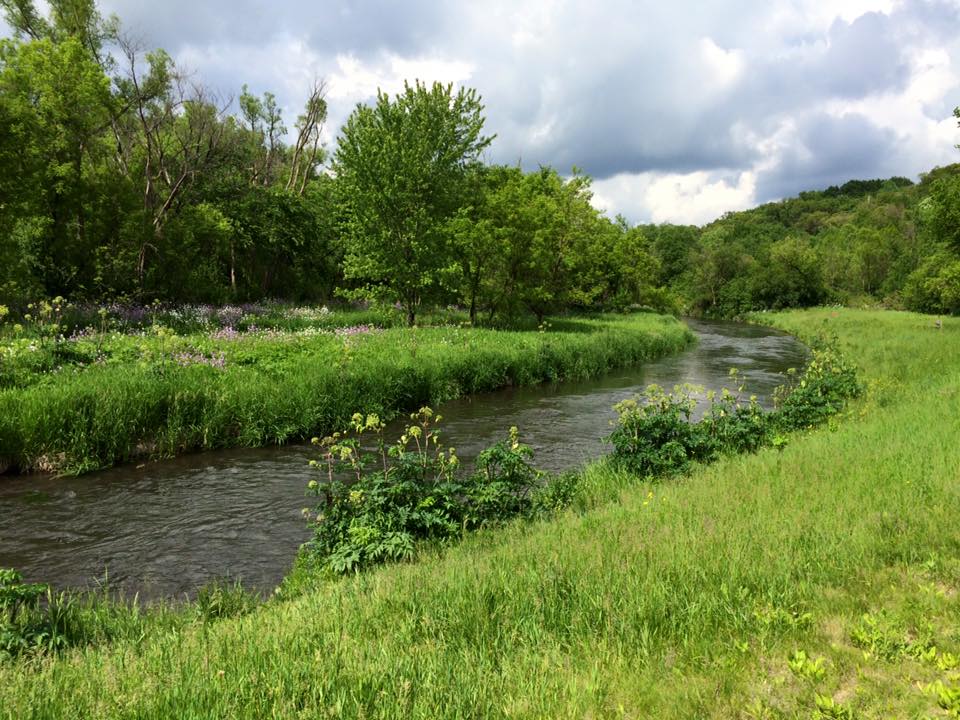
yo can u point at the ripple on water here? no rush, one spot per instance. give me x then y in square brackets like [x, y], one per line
[164, 529]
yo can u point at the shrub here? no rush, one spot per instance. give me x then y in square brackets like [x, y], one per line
[654, 436]
[374, 505]
[822, 390]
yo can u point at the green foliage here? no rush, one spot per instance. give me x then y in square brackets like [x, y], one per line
[112, 397]
[881, 637]
[374, 507]
[32, 617]
[829, 709]
[941, 211]
[934, 287]
[675, 601]
[655, 437]
[122, 180]
[826, 384]
[219, 600]
[400, 166]
[806, 667]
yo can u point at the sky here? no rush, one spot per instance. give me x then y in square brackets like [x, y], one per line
[680, 111]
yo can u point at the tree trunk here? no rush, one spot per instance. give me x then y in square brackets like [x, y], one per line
[233, 271]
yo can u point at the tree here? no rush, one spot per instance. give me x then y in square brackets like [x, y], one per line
[400, 165]
[479, 232]
[172, 135]
[940, 211]
[264, 123]
[55, 103]
[307, 152]
[791, 276]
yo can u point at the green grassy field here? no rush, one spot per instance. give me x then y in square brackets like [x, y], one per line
[103, 398]
[818, 580]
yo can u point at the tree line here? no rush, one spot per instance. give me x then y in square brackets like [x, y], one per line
[123, 177]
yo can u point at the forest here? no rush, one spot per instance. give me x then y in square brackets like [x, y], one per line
[124, 179]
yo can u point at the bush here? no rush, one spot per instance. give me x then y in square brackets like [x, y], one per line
[655, 438]
[654, 435]
[32, 617]
[374, 505]
[821, 391]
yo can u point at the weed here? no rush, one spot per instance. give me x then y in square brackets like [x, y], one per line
[806, 667]
[830, 709]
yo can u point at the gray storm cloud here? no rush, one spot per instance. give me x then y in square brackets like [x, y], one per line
[773, 94]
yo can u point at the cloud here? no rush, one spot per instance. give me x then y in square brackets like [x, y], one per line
[826, 148]
[690, 198]
[680, 111]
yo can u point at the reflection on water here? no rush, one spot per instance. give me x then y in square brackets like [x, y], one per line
[165, 528]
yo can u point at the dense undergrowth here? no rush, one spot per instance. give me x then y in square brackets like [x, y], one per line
[815, 578]
[159, 393]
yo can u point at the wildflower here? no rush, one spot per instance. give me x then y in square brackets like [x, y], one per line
[346, 332]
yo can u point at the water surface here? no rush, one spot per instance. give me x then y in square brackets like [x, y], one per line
[163, 529]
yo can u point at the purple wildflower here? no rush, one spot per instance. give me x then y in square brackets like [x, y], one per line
[355, 330]
[214, 360]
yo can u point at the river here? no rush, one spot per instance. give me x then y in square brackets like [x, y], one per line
[163, 529]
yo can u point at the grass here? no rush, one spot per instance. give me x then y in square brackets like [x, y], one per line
[818, 580]
[160, 393]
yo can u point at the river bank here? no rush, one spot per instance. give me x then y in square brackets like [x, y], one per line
[161, 394]
[159, 530]
[817, 578]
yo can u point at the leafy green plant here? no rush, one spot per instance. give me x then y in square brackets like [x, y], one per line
[881, 637]
[375, 505]
[806, 667]
[947, 696]
[31, 616]
[655, 437]
[830, 709]
[821, 391]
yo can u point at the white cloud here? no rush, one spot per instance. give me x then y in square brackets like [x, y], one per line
[681, 110]
[726, 66]
[691, 198]
[355, 80]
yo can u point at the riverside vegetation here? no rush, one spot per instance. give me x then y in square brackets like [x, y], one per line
[742, 566]
[381, 503]
[125, 177]
[797, 580]
[76, 396]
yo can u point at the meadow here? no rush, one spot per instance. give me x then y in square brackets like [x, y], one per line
[815, 578]
[82, 389]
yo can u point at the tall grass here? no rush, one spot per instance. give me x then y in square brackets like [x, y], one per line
[273, 390]
[689, 598]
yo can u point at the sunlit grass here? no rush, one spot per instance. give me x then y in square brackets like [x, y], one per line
[688, 598]
[162, 394]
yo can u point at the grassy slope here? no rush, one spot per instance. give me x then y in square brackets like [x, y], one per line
[275, 390]
[680, 600]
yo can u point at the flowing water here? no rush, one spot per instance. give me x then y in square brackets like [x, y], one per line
[163, 529]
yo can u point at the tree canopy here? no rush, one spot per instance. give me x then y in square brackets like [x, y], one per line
[122, 177]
